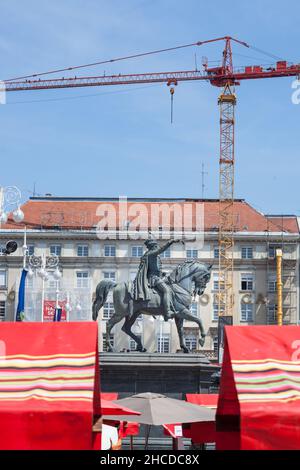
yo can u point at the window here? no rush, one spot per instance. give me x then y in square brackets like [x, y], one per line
[272, 283]
[215, 312]
[30, 249]
[194, 309]
[2, 310]
[272, 250]
[216, 252]
[191, 254]
[216, 281]
[272, 314]
[137, 251]
[247, 282]
[132, 343]
[109, 250]
[55, 250]
[110, 275]
[82, 278]
[246, 312]
[82, 250]
[108, 310]
[111, 338]
[3, 279]
[163, 343]
[166, 253]
[191, 342]
[247, 252]
[215, 345]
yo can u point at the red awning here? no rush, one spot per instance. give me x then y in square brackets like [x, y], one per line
[259, 401]
[202, 433]
[128, 429]
[109, 395]
[210, 400]
[110, 408]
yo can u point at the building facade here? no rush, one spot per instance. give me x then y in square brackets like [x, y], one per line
[70, 227]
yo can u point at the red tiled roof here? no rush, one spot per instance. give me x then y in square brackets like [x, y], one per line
[75, 213]
[285, 223]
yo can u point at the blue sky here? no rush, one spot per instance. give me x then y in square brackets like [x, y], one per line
[118, 140]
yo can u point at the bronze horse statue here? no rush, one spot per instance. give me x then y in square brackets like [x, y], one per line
[185, 281]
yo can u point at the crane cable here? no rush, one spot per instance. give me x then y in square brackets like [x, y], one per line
[172, 96]
[133, 56]
[275, 57]
[118, 59]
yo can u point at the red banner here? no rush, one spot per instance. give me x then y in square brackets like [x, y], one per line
[49, 310]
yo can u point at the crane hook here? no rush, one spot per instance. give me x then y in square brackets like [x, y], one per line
[172, 90]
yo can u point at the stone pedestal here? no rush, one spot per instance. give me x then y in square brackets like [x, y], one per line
[169, 374]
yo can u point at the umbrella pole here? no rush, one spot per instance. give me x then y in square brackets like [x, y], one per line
[131, 442]
[147, 434]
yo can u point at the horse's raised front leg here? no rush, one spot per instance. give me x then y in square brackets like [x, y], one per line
[129, 321]
[179, 325]
[185, 314]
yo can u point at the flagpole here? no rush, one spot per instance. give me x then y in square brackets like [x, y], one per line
[43, 267]
[25, 248]
[43, 299]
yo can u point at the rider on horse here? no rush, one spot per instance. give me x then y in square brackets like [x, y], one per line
[150, 275]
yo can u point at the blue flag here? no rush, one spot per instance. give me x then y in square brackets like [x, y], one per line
[21, 298]
[57, 314]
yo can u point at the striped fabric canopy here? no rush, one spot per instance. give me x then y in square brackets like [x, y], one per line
[260, 388]
[49, 385]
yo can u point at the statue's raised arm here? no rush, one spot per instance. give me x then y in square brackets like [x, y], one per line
[160, 249]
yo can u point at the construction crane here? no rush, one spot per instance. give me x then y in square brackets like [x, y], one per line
[225, 76]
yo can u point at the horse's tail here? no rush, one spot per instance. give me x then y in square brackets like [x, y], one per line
[102, 291]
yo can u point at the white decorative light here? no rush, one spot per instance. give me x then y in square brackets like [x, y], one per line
[30, 273]
[57, 274]
[18, 215]
[3, 218]
[78, 307]
[43, 274]
[68, 307]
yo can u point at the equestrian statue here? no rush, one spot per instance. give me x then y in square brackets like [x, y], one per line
[155, 293]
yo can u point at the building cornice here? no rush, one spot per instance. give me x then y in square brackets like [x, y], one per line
[92, 235]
